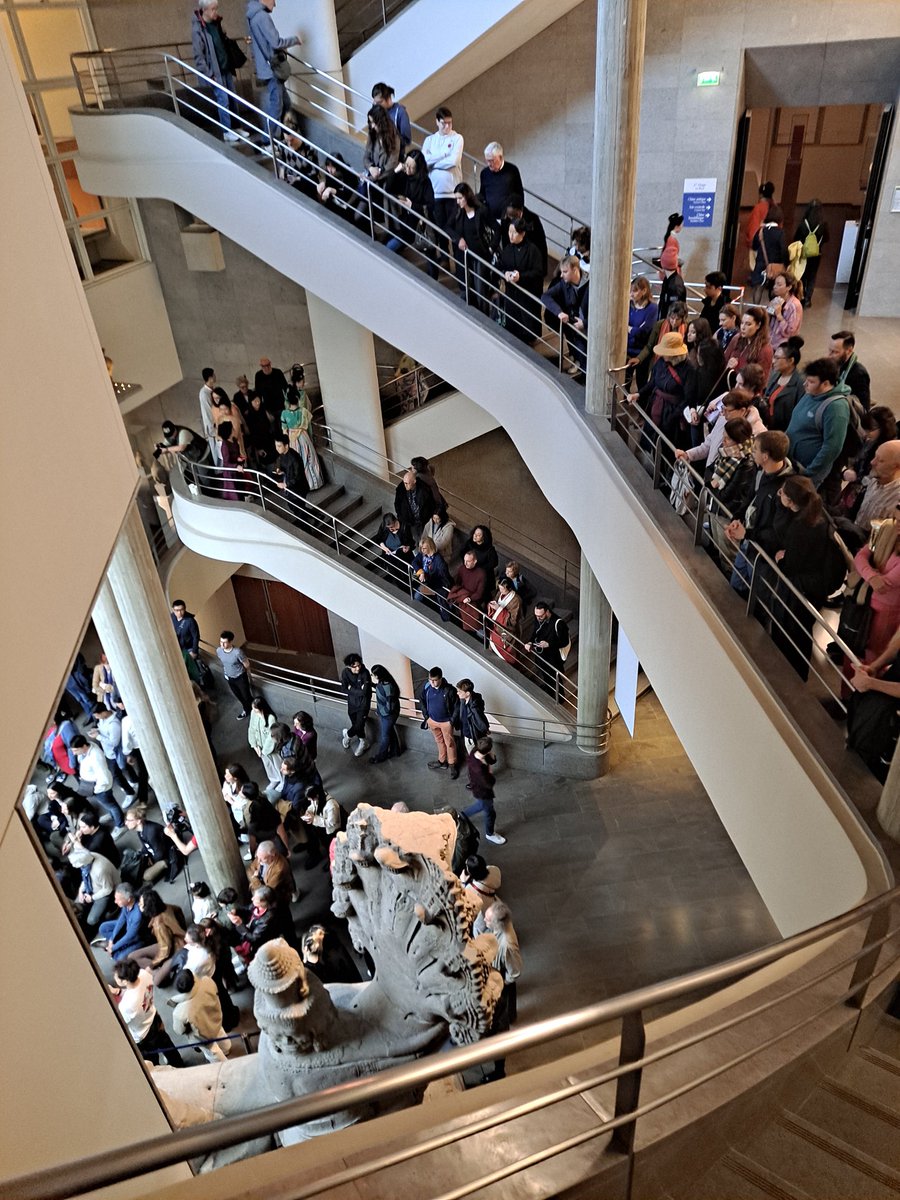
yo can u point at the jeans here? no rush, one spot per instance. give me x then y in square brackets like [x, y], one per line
[223, 100]
[107, 802]
[273, 98]
[389, 742]
[483, 804]
[80, 694]
[742, 572]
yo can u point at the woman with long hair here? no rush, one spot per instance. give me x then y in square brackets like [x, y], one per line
[233, 781]
[413, 199]
[506, 613]
[387, 705]
[752, 342]
[481, 544]
[232, 459]
[669, 265]
[642, 316]
[259, 735]
[433, 576]
[811, 560]
[167, 933]
[473, 236]
[786, 309]
[380, 157]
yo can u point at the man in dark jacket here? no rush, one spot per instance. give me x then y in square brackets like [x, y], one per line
[186, 628]
[157, 852]
[414, 506]
[550, 637]
[356, 683]
[714, 289]
[288, 469]
[765, 519]
[566, 308]
[499, 181]
[270, 382]
[850, 370]
[267, 921]
[211, 58]
[438, 703]
[470, 718]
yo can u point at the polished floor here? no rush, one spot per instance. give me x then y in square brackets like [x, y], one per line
[613, 883]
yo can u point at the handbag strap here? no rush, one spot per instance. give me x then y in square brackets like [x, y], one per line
[762, 243]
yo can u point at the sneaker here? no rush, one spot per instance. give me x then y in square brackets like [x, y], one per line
[230, 136]
[437, 766]
[345, 738]
[573, 369]
[242, 716]
[361, 748]
[247, 855]
[119, 831]
[99, 941]
[243, 837]
[497, 838]
[454, 772]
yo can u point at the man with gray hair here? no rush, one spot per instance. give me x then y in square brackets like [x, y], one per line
[499, 181]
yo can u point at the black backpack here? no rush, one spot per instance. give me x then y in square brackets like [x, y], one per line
[468, 840]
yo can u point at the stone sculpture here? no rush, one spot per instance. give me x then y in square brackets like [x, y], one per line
[408, 911]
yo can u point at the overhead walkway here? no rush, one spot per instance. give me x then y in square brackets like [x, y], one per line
[322, 545]
[735, 706]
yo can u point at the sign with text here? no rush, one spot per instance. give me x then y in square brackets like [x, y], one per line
[698, 203]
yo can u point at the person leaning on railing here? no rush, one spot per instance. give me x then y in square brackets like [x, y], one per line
[764, 520]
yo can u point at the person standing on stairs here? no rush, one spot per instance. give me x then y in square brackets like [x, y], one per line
[266, 45]
[356, 683]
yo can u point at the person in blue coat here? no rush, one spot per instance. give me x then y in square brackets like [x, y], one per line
[127, 932]
[265, 42]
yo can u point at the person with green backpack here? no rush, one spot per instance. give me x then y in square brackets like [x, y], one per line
[812, 232]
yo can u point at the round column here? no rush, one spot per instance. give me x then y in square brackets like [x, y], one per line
[594, 645]
[145, 617]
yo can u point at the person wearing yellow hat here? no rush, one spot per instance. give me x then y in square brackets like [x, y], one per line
[670, 387]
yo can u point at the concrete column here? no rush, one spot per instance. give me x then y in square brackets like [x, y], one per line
[315, 22]
[621, 26]
[375, 651]
[888, 811]
[594, 645]
[141, 603]
[108, 623]
[345, 361]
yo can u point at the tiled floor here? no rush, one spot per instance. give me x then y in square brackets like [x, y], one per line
[613, 883]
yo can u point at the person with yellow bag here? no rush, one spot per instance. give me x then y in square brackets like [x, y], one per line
[812, 233]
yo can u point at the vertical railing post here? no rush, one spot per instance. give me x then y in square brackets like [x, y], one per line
[337, 541]
[657, 461]
[628, 1087]
[864, 969]
[371, 209]
[753, 595]
[171, 87]
[466, 273]
[702, 510]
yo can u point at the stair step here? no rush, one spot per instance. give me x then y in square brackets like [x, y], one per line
[324, 496]
[824, 1165]
[885, 1038]
[740, 1178]
[871, 1073]
[864, 1123]
[368, 514]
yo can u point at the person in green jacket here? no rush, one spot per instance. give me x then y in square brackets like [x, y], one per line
[818, 425]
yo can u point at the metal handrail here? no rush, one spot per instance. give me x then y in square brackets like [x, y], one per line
[768, 584]
[153, 1154]
[476, 164]
[243, 483]
[404, 392]
[352, 36]
[480, 283]
[564, 569]
[320, 687]
[642, 264]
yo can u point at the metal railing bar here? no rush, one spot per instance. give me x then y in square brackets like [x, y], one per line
[163, 1151]
[295, 512]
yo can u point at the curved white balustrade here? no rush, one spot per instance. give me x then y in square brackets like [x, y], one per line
[806, 849]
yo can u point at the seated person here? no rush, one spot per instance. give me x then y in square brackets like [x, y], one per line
[263, 924]
[99, 879]
[157, 852]
[198, 1015]
[128, 931]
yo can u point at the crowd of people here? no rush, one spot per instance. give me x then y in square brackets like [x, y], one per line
[111, 873]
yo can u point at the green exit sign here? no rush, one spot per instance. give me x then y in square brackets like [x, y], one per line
[709, 78]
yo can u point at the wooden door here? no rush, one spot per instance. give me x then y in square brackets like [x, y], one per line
[301, 624]
[253, 605]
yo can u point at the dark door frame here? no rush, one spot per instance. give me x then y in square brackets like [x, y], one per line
[870, 206]
[736, 187]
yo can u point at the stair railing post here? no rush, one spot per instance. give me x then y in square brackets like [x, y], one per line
[866, 964]
[466, 272]
[632, 1041]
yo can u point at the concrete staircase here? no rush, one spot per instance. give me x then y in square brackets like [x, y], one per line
[841, 1143]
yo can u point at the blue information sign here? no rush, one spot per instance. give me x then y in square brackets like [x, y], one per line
[698, 203]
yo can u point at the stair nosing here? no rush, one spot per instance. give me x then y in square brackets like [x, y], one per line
[834, 1146]
[763, 1177]
[879, 1059]
[872, 1107]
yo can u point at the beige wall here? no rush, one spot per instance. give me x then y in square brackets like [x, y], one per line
[72, 1084]
[205, 586]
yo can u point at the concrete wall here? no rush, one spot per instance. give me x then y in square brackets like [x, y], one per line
[205, 585]
[439, 426]
[225, 319]
[72, 1083]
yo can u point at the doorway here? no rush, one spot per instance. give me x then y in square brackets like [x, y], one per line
[278, 618]
[833, 153]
